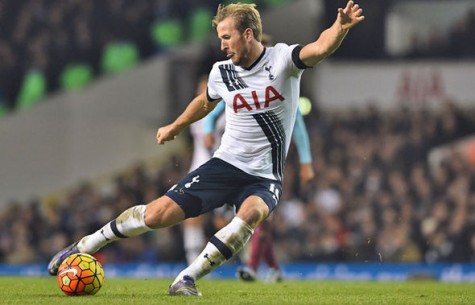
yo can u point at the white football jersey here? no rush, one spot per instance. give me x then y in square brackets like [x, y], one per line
[261, 105]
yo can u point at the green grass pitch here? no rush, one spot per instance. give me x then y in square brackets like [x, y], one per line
[44, 290]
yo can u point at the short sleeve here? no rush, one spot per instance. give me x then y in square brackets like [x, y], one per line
[291, 56]
[213, 79]
[296, 58]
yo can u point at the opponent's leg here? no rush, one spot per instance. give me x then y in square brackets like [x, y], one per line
[248, 272]
[257, 248]
[268, 253]
[274, 274]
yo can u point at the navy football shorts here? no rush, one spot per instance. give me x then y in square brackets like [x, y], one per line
[216, 183]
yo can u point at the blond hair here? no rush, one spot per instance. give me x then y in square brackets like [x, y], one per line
[245, 15]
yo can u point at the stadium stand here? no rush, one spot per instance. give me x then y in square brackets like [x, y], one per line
[63, 33]
[200, 26]
[76, 76]
[3, 110]
[392, 205]
[118, 57]
[167, 34]
[273, 3]
[32, 90]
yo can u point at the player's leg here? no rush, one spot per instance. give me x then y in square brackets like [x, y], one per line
[228, 241]
[193, 237]
[274, 274]
[257, 247]
[162, 212]
[253, 198]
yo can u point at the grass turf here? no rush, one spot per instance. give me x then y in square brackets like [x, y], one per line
[44, 290]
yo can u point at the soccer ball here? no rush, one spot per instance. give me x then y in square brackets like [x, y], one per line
[80, 274]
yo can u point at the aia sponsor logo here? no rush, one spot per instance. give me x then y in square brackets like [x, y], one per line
[263, 100]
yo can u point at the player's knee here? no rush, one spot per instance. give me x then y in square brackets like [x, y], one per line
[253, 211]
[163, 212]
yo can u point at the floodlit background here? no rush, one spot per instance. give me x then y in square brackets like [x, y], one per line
[85, 84]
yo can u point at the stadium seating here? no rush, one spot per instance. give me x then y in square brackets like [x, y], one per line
[75, 76]
[118, 57]
[3, 111]
[32, 90]
[200, 24]
[243, 1]
[167, 34]
[165, 27]
[274, 3]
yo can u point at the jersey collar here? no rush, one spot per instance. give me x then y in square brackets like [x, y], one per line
[257, 60]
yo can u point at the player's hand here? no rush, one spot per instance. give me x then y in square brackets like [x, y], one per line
[306, 173]
[166, 133]
[350, 16]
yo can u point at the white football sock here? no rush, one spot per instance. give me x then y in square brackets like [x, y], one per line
[221, 247]
[130, 223]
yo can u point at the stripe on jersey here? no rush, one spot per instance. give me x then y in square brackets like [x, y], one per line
[274, 132]
[230, 77]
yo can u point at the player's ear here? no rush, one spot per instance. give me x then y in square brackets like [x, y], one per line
[248, 34]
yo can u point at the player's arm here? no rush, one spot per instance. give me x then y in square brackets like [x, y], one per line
[331, 38]
[198, 108]
[301, 140]
[210, 120]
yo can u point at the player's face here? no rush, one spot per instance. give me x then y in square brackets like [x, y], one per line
[233, 42]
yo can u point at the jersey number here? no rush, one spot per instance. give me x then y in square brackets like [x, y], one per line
[275, 192]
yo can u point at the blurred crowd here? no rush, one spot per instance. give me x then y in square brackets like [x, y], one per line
[375, 198]
[370, 41]
[47, 35]
[452, 44]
